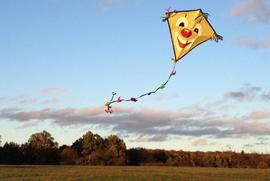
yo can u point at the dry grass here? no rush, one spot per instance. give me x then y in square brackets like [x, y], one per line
[90, 173]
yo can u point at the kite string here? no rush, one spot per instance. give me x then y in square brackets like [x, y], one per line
[135, 99]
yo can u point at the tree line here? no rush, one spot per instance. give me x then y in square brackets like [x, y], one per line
[92, 149]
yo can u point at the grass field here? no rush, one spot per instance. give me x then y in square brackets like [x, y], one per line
[85, 173]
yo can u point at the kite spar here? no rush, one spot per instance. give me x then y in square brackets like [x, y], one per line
[188, 29]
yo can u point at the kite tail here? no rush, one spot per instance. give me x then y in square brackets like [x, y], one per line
[108, 107]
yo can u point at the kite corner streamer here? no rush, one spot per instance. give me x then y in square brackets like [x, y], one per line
[188, 29]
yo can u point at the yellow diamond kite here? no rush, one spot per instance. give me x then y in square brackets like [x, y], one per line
[189, 29]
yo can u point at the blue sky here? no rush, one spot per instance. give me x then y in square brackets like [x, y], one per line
[61, 59]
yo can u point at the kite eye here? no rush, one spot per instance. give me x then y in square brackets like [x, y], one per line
[196, 30]
[182, 24]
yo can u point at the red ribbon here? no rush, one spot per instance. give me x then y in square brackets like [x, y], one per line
[173, 73]
[119, 100]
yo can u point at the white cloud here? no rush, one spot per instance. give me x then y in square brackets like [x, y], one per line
[51, 101]
[202, 142]
[266, 96]
[254, 43]
[247, 92]
[53, 90]
[253, 10]
[256, 115]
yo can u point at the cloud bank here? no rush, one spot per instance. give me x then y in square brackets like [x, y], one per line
[210, 119]
[156, 125]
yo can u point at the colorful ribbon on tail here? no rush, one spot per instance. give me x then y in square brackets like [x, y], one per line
[108, 107]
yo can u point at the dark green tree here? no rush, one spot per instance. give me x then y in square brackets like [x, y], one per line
[11, 154]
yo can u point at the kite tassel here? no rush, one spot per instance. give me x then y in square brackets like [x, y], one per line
[168, 10]
[119, 100]
[162, 86]
[219, 37]
[206, 15]
[216, 37]
[108, 108]
[165, 18]
[167, 15]
[133, 99]
[173, 73]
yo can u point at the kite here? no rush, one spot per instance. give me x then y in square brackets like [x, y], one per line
[188, 29]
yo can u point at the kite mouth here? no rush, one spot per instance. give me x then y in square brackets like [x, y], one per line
[182, 45]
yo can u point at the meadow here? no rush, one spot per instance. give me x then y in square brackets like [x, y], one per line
[132, 173]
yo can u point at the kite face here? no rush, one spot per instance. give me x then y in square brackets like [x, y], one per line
[188, 29]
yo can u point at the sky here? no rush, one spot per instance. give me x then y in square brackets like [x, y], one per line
[61, 59]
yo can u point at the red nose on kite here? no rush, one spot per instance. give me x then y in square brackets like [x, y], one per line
[186, 32]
